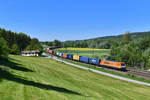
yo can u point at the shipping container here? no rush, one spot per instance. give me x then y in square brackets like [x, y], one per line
[54, 53]
[64, 55]
[61, 54]
[57, 53]
[70, 56]
[48, 51]
[51, 51]
[84, 59]
[94, 61]
[76, 57]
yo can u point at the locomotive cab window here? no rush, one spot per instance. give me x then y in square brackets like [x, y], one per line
[123, 65]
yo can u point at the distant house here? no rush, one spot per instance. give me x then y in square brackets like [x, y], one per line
[30, 53]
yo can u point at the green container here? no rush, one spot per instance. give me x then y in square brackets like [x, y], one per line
[57, 53]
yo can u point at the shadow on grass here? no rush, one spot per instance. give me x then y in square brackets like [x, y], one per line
[13, 65]
[8, 76]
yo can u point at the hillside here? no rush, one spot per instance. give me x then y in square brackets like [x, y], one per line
[134, 36]
[104, 42]
[36, 78]
[99, 42]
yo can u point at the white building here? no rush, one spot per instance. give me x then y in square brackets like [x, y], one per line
[30, 53]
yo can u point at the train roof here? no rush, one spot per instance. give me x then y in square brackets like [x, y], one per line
[113, 61]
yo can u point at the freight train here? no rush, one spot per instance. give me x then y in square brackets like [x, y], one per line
[93, 61]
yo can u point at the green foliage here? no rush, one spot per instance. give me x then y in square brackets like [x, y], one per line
[15, 49]
[56, 43]
[19, 41]
[148, 64]
[101, 42]
[23, 41]
[3, 48]
[126, 38]
[133, 53]
[47, 43]
[35, 45]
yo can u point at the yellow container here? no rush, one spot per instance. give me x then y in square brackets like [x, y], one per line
[75, 57]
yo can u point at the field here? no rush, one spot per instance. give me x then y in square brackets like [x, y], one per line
[85, 49]
[88, 52]
[37, 78]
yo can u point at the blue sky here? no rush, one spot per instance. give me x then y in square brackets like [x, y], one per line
[74, 19]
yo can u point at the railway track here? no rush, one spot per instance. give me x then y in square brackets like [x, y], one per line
[142, 74]
[137, 73]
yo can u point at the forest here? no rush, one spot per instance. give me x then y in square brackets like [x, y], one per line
[14, 43]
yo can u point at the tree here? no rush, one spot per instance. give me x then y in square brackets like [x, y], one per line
[15, 49]
[126, 38]
[35, 45]
[133, 53]
[56, 43]
[146, 57]
[144, 44]
[3, 48]
[23, 41]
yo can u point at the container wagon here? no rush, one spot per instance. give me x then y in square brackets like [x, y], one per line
[76, 57]
[94, 61]
[54, 53]
[61, 54]
[57, 53]
[64, 55]
[84, 59]
[70, 56]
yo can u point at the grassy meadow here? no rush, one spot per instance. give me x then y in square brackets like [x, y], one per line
[37, 78]
[88, 52]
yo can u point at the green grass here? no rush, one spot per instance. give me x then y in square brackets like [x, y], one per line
[36, 78]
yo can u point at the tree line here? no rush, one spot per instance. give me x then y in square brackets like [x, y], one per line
[100, 43]
[14, 43]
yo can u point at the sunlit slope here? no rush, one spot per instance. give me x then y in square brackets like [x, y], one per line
[36, 78]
